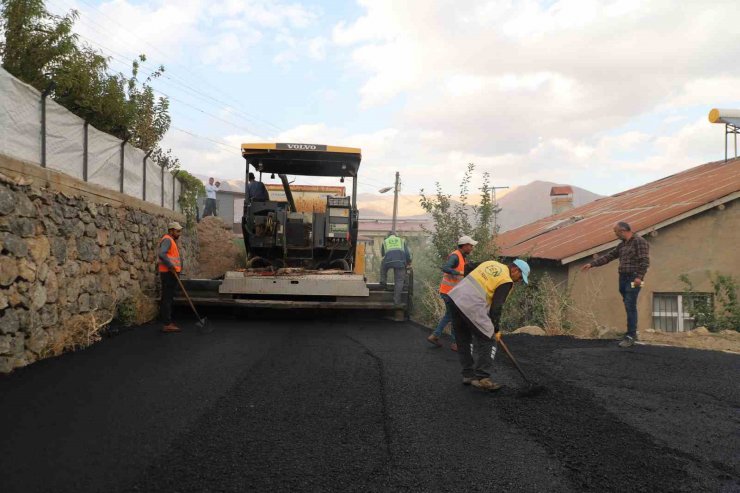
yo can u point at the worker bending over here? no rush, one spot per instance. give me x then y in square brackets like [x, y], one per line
[396, 256]
[477, 303]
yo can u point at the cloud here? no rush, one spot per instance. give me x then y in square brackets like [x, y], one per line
[562, 90]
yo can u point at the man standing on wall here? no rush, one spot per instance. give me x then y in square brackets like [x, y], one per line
[634, 259]
[396, 256]
[211, 189]
[454, 271]
[169, 265]
[477, 303]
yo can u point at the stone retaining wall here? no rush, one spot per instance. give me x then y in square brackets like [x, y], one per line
[67, 261]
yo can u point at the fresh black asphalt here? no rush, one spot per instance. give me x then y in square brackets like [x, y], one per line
[307, 403]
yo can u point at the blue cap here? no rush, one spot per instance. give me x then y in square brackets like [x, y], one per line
[524, 267]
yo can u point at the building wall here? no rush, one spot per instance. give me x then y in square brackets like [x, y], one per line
[697, 246]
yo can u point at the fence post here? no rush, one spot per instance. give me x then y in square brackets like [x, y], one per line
[144, 180]
[84, 151]
[44, 94]
[174, 177]
[123, 144]
[162, 182]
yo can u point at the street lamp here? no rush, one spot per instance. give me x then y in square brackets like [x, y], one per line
[395, 199]
[495, 208]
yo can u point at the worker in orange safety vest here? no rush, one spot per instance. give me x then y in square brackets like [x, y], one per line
[169, 265]
[453, 270]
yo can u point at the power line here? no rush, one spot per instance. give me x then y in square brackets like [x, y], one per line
[190, 71]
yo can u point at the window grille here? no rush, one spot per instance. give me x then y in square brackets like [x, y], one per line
[672, 312]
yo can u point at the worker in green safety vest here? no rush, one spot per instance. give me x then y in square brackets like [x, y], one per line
[396, 256]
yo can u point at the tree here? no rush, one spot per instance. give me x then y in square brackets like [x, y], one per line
[452, 220]
[40, 48]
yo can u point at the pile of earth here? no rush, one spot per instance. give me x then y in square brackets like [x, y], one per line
[699, 338]
[217, 251]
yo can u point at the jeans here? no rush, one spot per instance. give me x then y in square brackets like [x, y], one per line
[210, 208]
[169, 284]
[446, 318]
[629, 296]
[475, 350]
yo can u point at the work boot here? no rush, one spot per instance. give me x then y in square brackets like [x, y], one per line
[434, 340]
[486, 384]
[467, 380]
[628, 341]
[171, 328]
[453, 346]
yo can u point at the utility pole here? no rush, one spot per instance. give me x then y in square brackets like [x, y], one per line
[495, 208]
[395, 201]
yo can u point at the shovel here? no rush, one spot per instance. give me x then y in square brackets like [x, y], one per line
[203, 325]
[532, 388]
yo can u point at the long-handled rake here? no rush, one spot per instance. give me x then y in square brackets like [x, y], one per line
[202, 324]
[532, 389]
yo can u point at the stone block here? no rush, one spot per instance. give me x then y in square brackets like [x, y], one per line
[42, 272]
[37, 341]
[15, 245]
[83, 303]
[9, 322]
[8, 270]
[6, 344]
[39, 248]
[23, 227]
[7, 200]
[24, 207]
[37, 296]
[49, 315]
[27, 270]
[52, 287]
[87, 249]
[91, 230]
[58, 248]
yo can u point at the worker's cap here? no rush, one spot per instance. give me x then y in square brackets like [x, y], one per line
[524, 267]
[466, 240]
[174, 225]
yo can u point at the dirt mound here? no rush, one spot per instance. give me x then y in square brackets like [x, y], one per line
[700, 338]
[217, 251]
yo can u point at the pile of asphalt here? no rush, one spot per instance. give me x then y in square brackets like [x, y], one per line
[342, 404]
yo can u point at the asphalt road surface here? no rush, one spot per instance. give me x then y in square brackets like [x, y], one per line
[343, 404]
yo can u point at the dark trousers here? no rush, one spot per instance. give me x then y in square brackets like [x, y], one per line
[475, 350]
[629, 296]
[210, 208]
[169, 285]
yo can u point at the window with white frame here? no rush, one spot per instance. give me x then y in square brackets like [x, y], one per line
[672, 312]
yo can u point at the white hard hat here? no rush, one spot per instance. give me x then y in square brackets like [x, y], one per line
[466, 240]
[174, 225]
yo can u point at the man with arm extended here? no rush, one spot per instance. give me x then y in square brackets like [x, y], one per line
[477, 303]
[634, 259]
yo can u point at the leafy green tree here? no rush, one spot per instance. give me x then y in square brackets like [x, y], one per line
[40, 48]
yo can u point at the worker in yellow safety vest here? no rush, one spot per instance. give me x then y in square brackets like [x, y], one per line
[454, 271]
[477, 303]
[169, 265]
[396, 256]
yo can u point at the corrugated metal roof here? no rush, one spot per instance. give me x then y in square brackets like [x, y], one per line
[587, 227]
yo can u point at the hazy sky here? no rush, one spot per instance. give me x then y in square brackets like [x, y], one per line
[605, 95]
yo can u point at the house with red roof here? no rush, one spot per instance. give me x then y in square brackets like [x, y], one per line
[691, 221]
